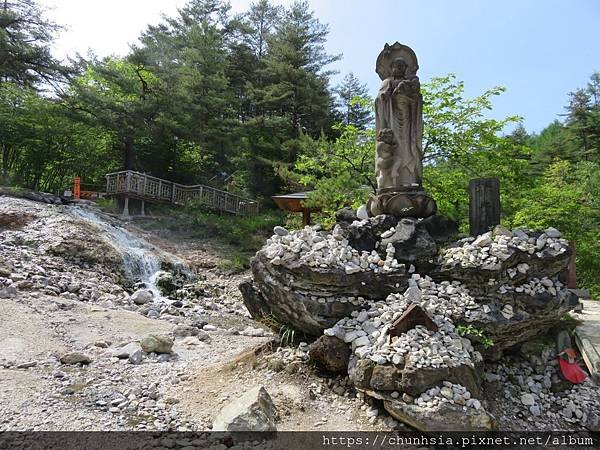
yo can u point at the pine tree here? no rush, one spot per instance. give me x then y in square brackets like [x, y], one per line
[354, 101]
[296, 86]
[261, 20]
[25, 38]
[188, 53]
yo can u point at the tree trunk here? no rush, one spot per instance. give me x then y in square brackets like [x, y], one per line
[5, 156]
[129, 152]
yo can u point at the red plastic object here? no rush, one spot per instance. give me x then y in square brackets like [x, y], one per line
[571, 371]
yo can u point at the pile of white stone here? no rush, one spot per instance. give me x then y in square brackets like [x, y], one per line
[534, 286]
[320, 249]
[331, 299]
[368, 331]
[541, 395]
[448, 393]
[490, 249]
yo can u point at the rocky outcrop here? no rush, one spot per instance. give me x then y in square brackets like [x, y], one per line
[517, 277]
[42, 197]
[312, 299]
[310, 279]
[362, 282]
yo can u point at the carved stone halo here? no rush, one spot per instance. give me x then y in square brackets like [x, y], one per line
[389, 53]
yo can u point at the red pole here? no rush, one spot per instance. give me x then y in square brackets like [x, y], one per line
[77, 187]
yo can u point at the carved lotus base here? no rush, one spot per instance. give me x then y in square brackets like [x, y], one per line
[402, 204]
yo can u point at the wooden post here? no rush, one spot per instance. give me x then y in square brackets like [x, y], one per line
[305, 216]
[143, 209]
[126, 207]
[484, 205]
[144, 185]
[572, 269]
[127, 181]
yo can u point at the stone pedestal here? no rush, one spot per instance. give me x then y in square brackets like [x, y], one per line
[402, 202]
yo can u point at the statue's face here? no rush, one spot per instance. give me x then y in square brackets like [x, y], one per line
[399, 68]
[386, 135]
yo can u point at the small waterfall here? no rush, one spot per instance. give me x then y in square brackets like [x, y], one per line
[139, 258]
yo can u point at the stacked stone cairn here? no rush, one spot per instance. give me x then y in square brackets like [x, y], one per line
[352, 285]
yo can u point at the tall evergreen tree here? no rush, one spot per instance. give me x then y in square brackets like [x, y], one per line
[354, 102]
[25, 38]
[583, 121]
[297, 85]
[120, 97]
[261, 20]
[188, 53]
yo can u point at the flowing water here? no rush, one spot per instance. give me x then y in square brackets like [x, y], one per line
[139, 258]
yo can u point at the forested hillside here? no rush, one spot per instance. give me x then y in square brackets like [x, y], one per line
[246, 102]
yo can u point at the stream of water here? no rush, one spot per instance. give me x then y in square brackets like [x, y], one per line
[139, 259]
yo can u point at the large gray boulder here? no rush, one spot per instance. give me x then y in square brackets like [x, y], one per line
[8, 292]
[312, 299]
[253, 411]
[142, 296]
[156, 343]
[127, 350]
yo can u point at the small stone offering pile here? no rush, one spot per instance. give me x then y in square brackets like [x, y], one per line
[447, 393]
[326, 250]
[367, 331]
[535, 287]
[490, 249]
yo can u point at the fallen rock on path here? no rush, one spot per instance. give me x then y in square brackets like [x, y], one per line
[156, 343]
[75, 358]
[253, 411]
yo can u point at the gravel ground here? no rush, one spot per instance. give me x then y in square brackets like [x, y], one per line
[61, 292]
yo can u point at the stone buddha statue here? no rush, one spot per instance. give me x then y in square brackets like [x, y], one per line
[399, 131]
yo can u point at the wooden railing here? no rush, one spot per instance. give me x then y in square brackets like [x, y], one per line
[146, 187]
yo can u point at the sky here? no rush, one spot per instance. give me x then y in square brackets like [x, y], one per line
[540, 50]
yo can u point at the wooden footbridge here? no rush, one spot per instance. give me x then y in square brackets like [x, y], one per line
[146, 188]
